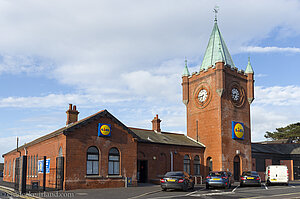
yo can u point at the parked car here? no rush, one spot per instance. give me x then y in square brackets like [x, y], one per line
[177, 180]
[250, 178]
[219, 179]
[277, 174]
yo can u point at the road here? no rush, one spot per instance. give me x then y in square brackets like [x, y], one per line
[155, 192]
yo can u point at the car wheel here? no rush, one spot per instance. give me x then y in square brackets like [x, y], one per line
[164, 189]
[241, 185]
[193, 186]
[185, 187]
[207, 186]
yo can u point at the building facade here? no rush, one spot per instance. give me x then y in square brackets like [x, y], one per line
[100, 151]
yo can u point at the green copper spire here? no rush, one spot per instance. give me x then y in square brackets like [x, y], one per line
[249, 68]
[216, 50]
[186, 70]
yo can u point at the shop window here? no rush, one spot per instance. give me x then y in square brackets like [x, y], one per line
[92, 163]
[196, 165]
[114, 162]
[187, 164]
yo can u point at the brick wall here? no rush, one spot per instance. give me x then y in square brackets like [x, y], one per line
[214, 116]
[159, 158]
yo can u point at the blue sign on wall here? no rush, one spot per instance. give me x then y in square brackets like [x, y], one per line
[41, 166]
[104, 130]
[238, 130]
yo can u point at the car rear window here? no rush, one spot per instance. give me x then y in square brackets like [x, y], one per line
[217, 174]
[249, 173]
[169, 174]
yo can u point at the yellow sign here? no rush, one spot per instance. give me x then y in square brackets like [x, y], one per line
[238, 130]
[104, 130]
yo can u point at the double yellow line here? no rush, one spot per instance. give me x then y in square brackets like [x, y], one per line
[12, 193]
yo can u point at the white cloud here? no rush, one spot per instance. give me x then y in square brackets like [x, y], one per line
[274, 107]
[258, 49]
[278, 95]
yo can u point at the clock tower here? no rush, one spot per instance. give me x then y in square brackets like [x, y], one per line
[217, 100]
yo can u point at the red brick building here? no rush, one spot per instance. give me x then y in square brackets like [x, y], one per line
[90, 160]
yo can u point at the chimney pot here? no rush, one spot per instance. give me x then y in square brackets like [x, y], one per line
[156, 124]
[72, 114]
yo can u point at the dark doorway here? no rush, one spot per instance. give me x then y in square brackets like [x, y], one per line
[296, 172]
[142, 171]
[59, 173]
[209, 164]
[236, 168]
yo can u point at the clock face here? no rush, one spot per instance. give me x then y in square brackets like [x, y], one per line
[235, 94]
[202, 96]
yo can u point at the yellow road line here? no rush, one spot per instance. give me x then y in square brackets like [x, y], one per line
[11, 193]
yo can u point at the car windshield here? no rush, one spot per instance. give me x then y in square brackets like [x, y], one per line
[217, 174]
[249, 173]
[169, 174]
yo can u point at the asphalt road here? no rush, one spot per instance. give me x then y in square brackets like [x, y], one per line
[155, 192]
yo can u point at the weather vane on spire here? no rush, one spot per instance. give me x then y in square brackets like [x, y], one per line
[216, 10]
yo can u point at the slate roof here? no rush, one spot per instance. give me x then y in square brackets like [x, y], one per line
[282, 148]
[150, 136]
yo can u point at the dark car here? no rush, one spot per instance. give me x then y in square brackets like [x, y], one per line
[219, 179]
[250, 178]
[177, 180]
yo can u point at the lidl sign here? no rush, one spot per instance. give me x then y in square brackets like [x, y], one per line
[238, 130]
[104, 130]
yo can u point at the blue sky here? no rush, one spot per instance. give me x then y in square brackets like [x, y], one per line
[128, 57]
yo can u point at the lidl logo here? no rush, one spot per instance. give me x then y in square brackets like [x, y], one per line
[104, 130]
[238, 130]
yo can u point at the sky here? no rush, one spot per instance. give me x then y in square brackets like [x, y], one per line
[128, 57]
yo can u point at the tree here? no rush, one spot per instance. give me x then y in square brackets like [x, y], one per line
[291, 132]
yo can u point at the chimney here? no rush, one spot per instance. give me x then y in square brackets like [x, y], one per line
[156, 124]
[72, 114]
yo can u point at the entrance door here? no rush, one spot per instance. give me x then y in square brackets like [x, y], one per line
[142, 171]
[59, 173]
[236, 168]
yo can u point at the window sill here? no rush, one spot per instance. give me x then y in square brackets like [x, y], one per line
[93, 176]
[115, 176]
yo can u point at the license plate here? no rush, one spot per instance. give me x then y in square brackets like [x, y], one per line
[216, 179]
[273, 179]
[250, 178]
[171, 180]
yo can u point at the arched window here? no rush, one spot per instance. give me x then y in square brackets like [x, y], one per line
[187, 164]
[92, 161]
[60, 153]
[209, 164]
[113, 162]
[197, 165]
[9, 167]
